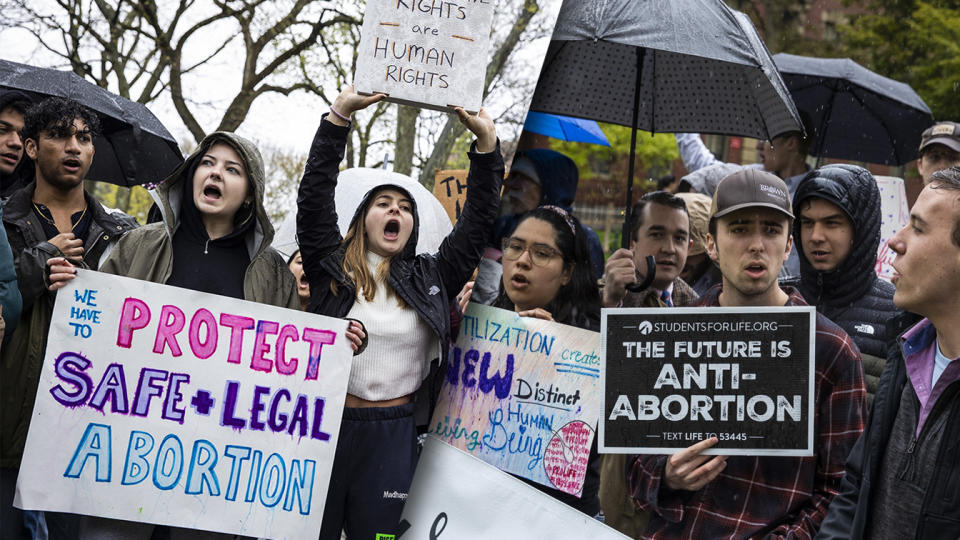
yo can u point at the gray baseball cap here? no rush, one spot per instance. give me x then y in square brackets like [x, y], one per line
[747, 188]
[945, 133]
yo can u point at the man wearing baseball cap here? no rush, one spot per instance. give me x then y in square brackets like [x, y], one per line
[939, 149]
[686, 493]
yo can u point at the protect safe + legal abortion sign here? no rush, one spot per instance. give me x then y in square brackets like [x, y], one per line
[164, 405]
[673, 377]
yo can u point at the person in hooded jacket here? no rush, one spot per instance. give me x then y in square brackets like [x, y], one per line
[838, 234]
[373, 275]
[215, 238]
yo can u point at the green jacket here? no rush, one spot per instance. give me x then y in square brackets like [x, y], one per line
[147, 253]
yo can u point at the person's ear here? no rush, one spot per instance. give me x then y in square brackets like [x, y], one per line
[712, 248]
[786, 254]
[567, 274]
[30, 147]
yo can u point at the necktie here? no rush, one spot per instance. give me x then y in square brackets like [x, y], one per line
[665, 296]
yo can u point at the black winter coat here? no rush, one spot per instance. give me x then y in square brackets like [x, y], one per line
[425, 282]
[852, 296]
[940, 513]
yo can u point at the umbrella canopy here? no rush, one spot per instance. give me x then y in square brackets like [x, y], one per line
[134, 147]
[855, 114]
[696, 65]
[352, 185]
[565, 128]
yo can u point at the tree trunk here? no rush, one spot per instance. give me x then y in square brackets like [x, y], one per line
[406, 137]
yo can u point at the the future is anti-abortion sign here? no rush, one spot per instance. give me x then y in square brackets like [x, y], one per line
[522, 394]
[673, 377]
[164, 405]
[431, 53]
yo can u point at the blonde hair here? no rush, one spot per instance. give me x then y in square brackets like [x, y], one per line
[355, 263]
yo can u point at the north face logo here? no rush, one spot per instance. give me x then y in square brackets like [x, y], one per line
[433, 290]
[864, 329]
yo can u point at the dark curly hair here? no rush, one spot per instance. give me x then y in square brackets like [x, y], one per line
[578, 302]
[56, 115]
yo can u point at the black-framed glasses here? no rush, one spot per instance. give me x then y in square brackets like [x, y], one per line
[540, 254]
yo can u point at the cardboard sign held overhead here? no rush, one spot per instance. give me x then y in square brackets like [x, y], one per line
[450, 188]
[427, 53]
[674, 377]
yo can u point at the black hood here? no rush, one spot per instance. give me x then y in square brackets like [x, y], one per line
[410, 249]
[855, 191]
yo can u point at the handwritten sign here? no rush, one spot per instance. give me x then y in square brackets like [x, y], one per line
[455, 496]
[673, 377]
[522, 394]
[450, 188]
[894, 216]
[164, 405]
[426, 53]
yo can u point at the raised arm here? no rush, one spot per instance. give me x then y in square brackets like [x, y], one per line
[317, 230]
[460, 251]
[693, 152]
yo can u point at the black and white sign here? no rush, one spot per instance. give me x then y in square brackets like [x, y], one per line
[428, 53]
[673, 377]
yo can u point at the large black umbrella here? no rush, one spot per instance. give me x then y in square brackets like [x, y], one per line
[663, 65]
[855, 114]
[134, 147]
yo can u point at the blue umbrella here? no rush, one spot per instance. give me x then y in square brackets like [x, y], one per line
[565, 128]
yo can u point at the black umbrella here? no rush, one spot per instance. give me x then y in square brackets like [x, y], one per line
[134, 147]
[855, 114]
[663, 65]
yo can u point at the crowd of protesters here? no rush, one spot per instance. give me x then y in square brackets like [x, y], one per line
[886, 462]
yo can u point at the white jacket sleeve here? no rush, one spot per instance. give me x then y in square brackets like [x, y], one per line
[693, 152]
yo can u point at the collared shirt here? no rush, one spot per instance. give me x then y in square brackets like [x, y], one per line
[779, 496]
[80, 220]
[919, 354]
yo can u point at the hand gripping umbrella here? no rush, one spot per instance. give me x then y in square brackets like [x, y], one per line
[134, 147]
[855, 114]
[663, 65]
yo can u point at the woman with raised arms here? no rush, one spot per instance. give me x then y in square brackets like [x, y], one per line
[399, 305]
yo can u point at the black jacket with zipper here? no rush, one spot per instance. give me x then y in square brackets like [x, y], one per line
[23, 355]
[426, 282]
[939, 516]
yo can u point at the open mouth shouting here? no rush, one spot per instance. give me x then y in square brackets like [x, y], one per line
[519, 281]
[391, 230]
[212, 192]
[755, 270]
[72, 165]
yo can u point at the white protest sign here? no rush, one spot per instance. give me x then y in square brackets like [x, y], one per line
[894, 216]
[428, 53]
[522, 394]
[458, 497]
[164, 405]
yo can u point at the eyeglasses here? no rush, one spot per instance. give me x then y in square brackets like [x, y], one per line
[540, 254]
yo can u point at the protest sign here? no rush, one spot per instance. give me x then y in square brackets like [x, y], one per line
[163, 405]
[894, 216]
[673, 377]
[450, 188]
[456, 496]
[429, 54]
[522, 394]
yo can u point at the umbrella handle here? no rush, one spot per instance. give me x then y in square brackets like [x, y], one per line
[651, 274]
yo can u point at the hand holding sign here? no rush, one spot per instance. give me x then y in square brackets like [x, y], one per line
[481, 125]
[61, 272]
[349, 102]
[690, 470]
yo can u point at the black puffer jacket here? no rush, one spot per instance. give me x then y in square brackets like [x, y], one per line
[426, 282]
[851, 295]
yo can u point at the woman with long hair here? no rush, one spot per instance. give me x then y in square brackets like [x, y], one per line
[399, 305]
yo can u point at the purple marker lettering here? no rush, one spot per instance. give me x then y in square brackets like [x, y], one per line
[205, 348]
[258, 392]
[284, 366]
[170, 410]
[146, 390]
[316, 433]
[70, 367]
[278, 422]
[299, 420]
[229, 405]
[133, 316]
[113, 384]
[317, 339]
[237, 325]
[171, 322]
[258, 362]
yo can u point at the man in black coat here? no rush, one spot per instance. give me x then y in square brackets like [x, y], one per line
[902, 479]
[837, 233]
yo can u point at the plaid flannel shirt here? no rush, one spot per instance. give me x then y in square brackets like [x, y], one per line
[779, 497]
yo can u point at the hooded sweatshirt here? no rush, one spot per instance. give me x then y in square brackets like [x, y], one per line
[176, 250]
[851, 295]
